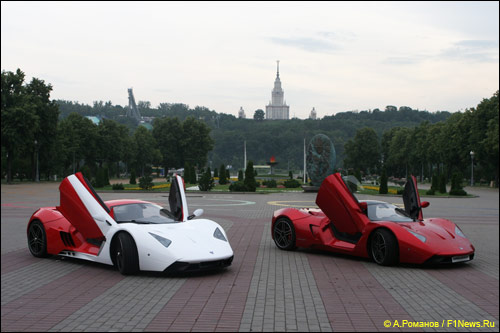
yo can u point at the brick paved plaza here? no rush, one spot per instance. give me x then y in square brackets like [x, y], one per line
[265, 289]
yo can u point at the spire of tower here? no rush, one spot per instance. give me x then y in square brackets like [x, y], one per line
[278, 71]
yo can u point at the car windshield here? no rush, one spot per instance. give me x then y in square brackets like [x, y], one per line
[382, 211]
[145, 213]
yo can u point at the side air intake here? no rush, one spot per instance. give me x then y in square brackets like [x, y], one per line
[67, 239]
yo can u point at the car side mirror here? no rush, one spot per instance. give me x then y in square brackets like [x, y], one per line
[196, 213]
[424, 204]
[364, 207]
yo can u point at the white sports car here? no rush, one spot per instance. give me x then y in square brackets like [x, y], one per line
[133, 235]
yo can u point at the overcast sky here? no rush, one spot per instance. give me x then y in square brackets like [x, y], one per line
[334, 56]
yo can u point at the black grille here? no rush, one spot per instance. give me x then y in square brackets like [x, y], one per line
[67, 239]
[181, 266]
[438, 260]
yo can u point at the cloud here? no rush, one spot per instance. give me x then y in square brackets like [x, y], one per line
[308, 44]
[473, 50]
[404, 60]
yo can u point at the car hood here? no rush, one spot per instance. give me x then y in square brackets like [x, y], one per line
[191, 241]
[440, 235]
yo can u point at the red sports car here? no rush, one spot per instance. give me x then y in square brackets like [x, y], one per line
[371, 229]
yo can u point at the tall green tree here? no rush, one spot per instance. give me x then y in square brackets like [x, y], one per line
[47, 112]
[147, 153]
[169, 135]
[112, 142]
[19, 119]
[249, 181]
[222, 175]
[196, 142]
[259, 115]
[79, 138]
[363, 152]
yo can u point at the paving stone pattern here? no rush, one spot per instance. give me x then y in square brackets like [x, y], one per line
[265, 289]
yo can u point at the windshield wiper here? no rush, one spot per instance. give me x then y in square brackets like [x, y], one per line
[134, 221]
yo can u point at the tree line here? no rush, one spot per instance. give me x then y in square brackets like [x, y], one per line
[402, 140]
[35, 137]
[444, 148]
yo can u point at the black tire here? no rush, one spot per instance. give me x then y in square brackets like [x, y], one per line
[37, 239]
[384, 247]
[284, 234]
[124, 254]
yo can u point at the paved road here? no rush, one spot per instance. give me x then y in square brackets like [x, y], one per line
[264, 290]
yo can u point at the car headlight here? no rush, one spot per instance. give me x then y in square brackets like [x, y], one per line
[164, 241]
[419, 236]
[459, 232]
[219, 235]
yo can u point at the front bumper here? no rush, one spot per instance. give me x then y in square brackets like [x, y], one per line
[180, 266]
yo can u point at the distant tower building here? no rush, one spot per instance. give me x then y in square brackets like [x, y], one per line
[312, 115]
[133, 111]
[241, 113]
[277, 108]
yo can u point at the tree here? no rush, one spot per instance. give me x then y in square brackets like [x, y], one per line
[249, 181]
[78, 137]
[222, 175]
[259, 115]
[383, 183]
[196, 142]
[206, 181]
[147, 151]
[363, 152]
[456, 184]
[132, 177]
[19, 119]
[169, 136]
[112, 142]
[47, 112]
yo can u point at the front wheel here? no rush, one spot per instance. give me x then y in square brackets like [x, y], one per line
[125, 255]
[284, 234]
[37, 239]
[384, 247]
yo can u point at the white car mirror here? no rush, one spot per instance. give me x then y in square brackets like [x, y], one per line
[196, 213]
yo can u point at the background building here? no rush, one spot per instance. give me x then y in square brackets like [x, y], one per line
[241, 113]
[312, 115]
[277, 108]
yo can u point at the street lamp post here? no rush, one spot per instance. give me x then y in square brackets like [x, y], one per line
[37, 175]
[472, 168]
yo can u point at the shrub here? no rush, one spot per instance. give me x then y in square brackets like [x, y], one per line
[290, 174]
[458, 192]
[132, 177]
[291, 183]
[238, 187]
[146, 182]
[222, 175]
[206, 182]
[456, 185]
[383, 189]
[240, 175]
[118, 186]
[249, 181]
[270, 183]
